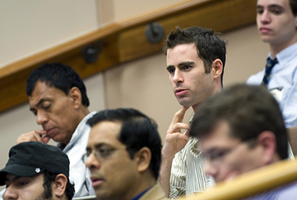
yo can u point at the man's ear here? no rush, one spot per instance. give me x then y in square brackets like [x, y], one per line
[217, 68]
[267, 142]
[59, 185]
[143, 158]
[75, 95]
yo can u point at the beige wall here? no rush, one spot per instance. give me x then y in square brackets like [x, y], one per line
[131, 8]
[28, 27]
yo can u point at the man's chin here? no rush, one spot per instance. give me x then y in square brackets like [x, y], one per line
[184, 102]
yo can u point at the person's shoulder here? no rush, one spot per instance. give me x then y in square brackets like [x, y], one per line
[255, 79]
[288, 191]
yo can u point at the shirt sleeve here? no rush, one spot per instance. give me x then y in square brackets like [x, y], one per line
[187, 172]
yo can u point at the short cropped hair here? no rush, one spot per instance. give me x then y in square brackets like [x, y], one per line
[248, 110]
[60, 76]
[208, 43]
[137, 131]
[293, 6]
[49, 178]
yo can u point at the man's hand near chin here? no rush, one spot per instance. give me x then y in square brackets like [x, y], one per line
[36, 135]
[174, 142]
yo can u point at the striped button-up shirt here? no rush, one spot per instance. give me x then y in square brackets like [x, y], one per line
[187, 172]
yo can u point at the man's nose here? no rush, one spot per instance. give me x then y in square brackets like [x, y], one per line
[10, 193]
[92, 161]
[177, 77]
[265, 17]
[209, 168]
[41, 117]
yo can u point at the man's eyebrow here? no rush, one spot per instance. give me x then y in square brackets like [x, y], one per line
[276, 6]
[211, 150]
[102, 145]
[270, 6]
[38, 104]
[186, 63]
[13, 179]
[169, 67]
[180, 64]
[98, 145]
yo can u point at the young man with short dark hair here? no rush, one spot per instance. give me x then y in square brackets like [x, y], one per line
[36, 171]
[241, 129]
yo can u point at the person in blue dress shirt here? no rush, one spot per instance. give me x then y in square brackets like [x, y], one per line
[277, 26]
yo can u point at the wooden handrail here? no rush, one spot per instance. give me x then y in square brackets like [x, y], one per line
[252, 183]
[124, 41]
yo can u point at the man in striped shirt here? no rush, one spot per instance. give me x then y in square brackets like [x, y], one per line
[195, 59]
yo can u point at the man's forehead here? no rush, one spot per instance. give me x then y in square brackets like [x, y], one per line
[219, 135]
[43, 85]
[44, 91]
[105, 132]
[183, 47]
[272, 3]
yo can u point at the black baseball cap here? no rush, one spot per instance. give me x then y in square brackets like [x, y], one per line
[31, 158]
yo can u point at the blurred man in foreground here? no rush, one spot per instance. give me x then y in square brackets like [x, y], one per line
[241, 129]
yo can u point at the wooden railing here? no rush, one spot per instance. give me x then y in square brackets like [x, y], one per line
[125, 41]
[252, 183]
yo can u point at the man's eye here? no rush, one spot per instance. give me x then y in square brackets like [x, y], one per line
[46, 107]
[88, 153]
[217, 155]
[186, 67]
[22, 183]
[259, 11]
[104, 152]
[276, 11]
[170, 70]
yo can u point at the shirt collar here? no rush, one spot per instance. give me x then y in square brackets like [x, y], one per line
[141, 194]
[286, 54]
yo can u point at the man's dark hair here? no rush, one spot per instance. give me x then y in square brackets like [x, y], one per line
[209, 45]
[248, 110]
[59, 76]
[137, 131]
[293, 5]
[49, 178]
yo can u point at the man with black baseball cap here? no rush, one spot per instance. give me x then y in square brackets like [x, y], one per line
[36, 171]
